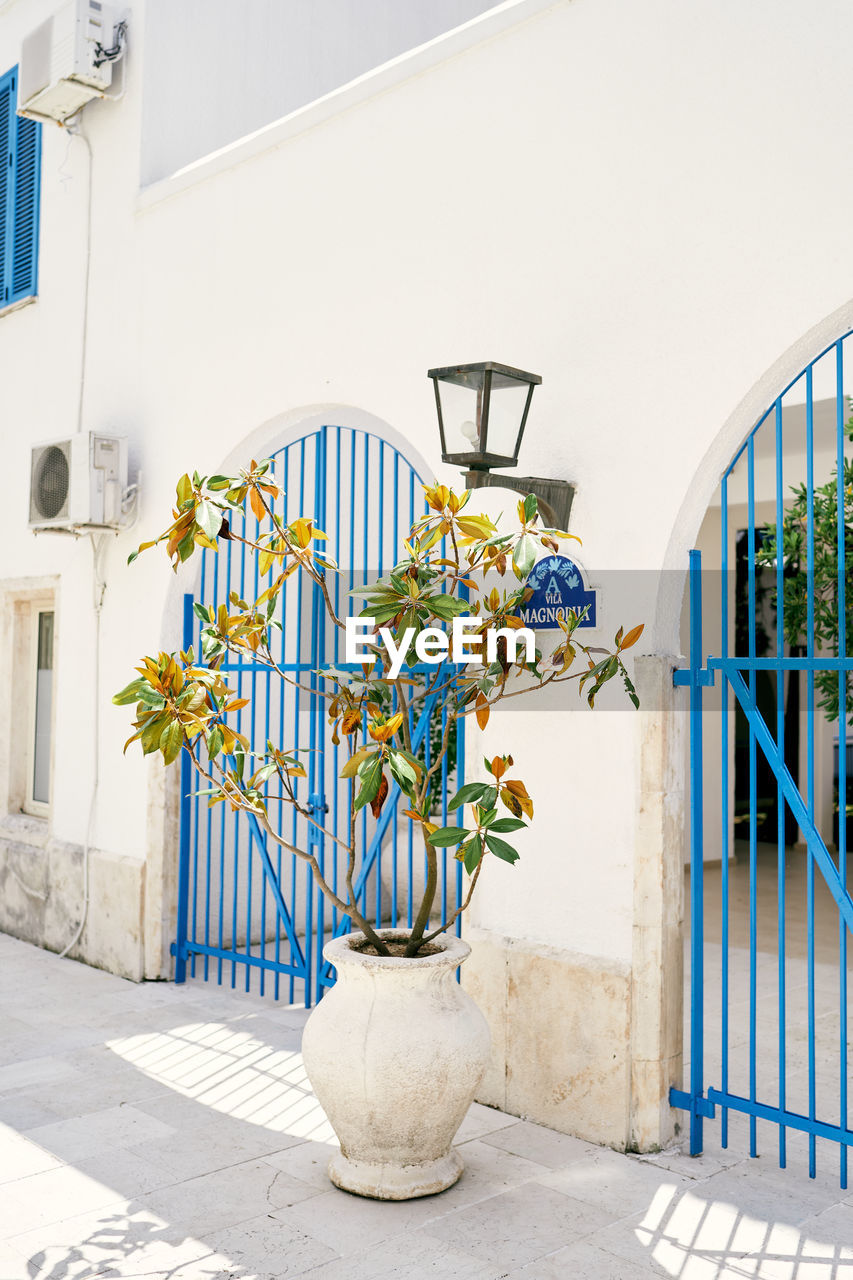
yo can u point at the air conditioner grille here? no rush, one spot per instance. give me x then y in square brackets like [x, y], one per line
[50, 483]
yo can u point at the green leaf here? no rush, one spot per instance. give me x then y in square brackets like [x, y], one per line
[219, 482]
[446, 607]
[151, 698]
[208, 518]
[264, 773]
[524, 555]
[471, 853]
[500, 848]
[130, 693]
[531, 506]
[469, 794]
[446, 836]
[402, 772]
[186, 547]
[370, 773]
[417, 765]
[215, 742]
[629, 688]
[149, 737]
[202, 612]
[171, 741]
[505, 825]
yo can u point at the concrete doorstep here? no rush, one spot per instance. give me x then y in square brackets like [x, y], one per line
[170, 1133]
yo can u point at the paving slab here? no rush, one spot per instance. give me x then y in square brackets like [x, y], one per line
[157, 1132]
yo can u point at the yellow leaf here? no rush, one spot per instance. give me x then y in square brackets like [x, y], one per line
[633, 636]
[394, 723]
[351, 721]
[483, 710]
[350, 769]
[499, 766]
[429, 541]
[302, 531]
[257, 505]
[518, 792]
[476, 526]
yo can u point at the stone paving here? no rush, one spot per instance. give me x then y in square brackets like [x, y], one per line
[169, 1133]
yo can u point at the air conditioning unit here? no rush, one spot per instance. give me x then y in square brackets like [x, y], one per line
[78, 482]
[62, 64]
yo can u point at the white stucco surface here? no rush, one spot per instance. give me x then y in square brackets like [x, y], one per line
[591, 192]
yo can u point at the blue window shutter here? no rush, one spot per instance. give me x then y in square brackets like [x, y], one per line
[25, 211]
[7, 99]
[20, 180]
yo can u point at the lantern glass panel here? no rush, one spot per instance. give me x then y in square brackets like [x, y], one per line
[461, 404]
[506, 409]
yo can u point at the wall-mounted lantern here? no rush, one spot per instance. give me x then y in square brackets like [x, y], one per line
[482, 412]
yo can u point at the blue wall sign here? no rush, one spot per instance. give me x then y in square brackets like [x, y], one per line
[558, 586]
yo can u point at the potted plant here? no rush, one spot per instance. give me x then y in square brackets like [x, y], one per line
[396, 1049]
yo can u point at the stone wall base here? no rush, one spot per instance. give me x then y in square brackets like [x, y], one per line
[561, 1035]
[41, 895]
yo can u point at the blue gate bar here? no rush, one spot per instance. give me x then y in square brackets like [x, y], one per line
[179, 949]
[725, 801]
[780, 798]
[697, 869]
[841, 530]
[827, 866]
[790, 1119]
[810, 686]
[753, 803]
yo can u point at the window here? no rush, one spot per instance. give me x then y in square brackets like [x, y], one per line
[43, 709]
[28, 649]
[20, 180]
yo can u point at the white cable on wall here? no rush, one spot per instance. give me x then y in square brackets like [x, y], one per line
[99, 586]
[74, 128]
[98, 545]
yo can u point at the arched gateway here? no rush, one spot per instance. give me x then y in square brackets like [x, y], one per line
[245, 908]
[771, 652]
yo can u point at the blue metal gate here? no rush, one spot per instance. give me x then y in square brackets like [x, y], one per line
[245, 908]
[784, 635]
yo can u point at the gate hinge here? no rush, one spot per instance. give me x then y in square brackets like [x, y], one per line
[690, 676]
[694, 1103]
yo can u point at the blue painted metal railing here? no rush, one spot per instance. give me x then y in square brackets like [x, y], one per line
[766, 738]
[242, 907]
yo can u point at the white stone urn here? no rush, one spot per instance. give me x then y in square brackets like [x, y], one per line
[394, 1053]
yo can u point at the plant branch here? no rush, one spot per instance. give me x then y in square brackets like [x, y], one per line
[458, 912]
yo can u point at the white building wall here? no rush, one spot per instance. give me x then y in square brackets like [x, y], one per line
[644, 203]
[217, 70]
